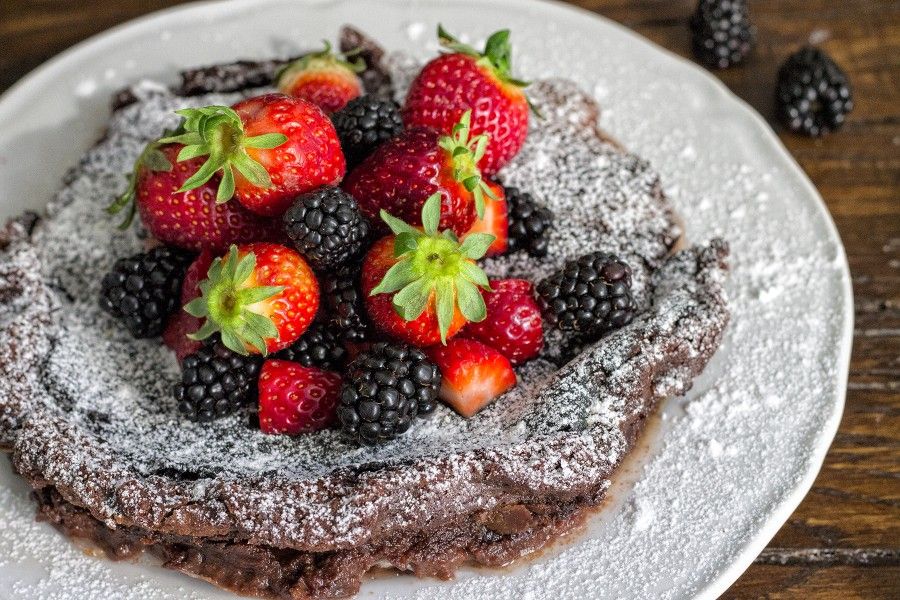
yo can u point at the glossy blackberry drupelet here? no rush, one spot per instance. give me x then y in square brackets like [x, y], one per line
[318, 347]
[721, 32]
[590, 296]
[143, 290]
[363, 124]
[529, 223]
[326, 227]
[216, 382]
[386, 388]
[343, 302]
[813, 96]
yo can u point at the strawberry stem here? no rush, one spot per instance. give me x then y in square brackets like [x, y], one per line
[465, 155]
[151, 157]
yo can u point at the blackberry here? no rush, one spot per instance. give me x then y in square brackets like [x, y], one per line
[363, 124]
[387, 387]
[813, 95]
[215, 382]
[343, 302]
[722, 34]
[318, 347]
[326, 227]
[529, 223]
[142, 290]
[589, 296]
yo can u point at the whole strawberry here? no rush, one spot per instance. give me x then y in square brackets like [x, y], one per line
[466, 79]
[404, 172]
[181, 324]
[294, 399]
[190, 219]
[326, 79]
[259, 297]
[268, 150]
[513, 325]
[421, 287]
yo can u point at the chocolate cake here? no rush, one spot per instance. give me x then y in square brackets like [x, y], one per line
[86, 412]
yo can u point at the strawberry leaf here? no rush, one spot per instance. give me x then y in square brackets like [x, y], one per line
[431, 214]
[471, 303]
[475, 245]
[445, 299]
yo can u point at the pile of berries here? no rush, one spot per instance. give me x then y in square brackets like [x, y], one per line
[315, 296]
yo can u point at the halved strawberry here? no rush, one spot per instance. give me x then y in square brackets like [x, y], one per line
[473, 374]
[296, 399]
[495, 222]
[324, 78]
[259, 297]
[513, 325]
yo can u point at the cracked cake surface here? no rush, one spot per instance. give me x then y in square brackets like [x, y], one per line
[100, 437]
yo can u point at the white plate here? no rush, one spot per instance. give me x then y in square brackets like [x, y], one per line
[727, 464]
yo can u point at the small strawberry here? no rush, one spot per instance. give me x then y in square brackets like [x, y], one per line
[326, 79]
[466, 79]
[495, 222]
[472, 374]
[260, 298]
[295, 399]
[422, 286]
[190, 219]
[268, 150]
[404, 172]
[181, 324]
[513, 324]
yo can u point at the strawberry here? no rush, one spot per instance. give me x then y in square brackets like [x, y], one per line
[326, 79]
[296, 399]
[466, 79]
[269, 149]
[181, 324]
[472, 374]
[495, 222]
[513, 324]
[422, 286]
[259, 297]
[191, 219]
[404, 172]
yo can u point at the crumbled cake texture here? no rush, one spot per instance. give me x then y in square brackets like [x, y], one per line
[88, 415]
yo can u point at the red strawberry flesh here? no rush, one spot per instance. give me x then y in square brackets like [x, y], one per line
[473, 374]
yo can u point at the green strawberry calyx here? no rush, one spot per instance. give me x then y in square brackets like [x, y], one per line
[435, 267]
[465, 153]
[229, 304]
[218, 132]
[151, 157]
[322, 60]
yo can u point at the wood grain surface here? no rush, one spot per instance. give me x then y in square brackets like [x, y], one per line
[843, 542]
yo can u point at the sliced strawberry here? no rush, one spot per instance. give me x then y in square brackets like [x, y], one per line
[513, 325]
[473, 374]
[295, 399]
[495, 222]
[326, 79]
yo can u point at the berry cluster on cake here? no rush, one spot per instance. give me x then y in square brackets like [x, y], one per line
[420, 313]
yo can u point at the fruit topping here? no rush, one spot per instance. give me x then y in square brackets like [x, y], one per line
[294, 399]
[318, 347]
[495, 222]
[215, 382]
[324, 78]
[142, 290]
[364, 124]
[181, 324]
[813, 93]
[529, 223]
[513, 325]
[387, 387]
[472, 374]
[344, 306]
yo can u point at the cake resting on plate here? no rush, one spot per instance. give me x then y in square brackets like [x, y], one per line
[419, 331]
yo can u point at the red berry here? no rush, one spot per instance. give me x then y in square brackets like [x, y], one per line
[181, 324]
[513, 325]
[478, 81]
[294, 399]
[472, 374]
[327, 80]
[495, 222]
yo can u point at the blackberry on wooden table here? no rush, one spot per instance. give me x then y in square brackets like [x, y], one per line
[387, 387]
[142, 290]
[326, 227]
[813, 96]
[216, 382]
[722, 34]
[589, 296]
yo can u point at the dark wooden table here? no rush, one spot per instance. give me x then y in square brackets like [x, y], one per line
[843, 541]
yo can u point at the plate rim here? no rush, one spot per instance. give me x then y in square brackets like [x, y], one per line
[31, 82]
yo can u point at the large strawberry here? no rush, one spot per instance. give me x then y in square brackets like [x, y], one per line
[423, 286]
[326, 79]
[259, 297]
[466, 79]
[189, 219]
[513, 325]
[404, 172]
[268, 150]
